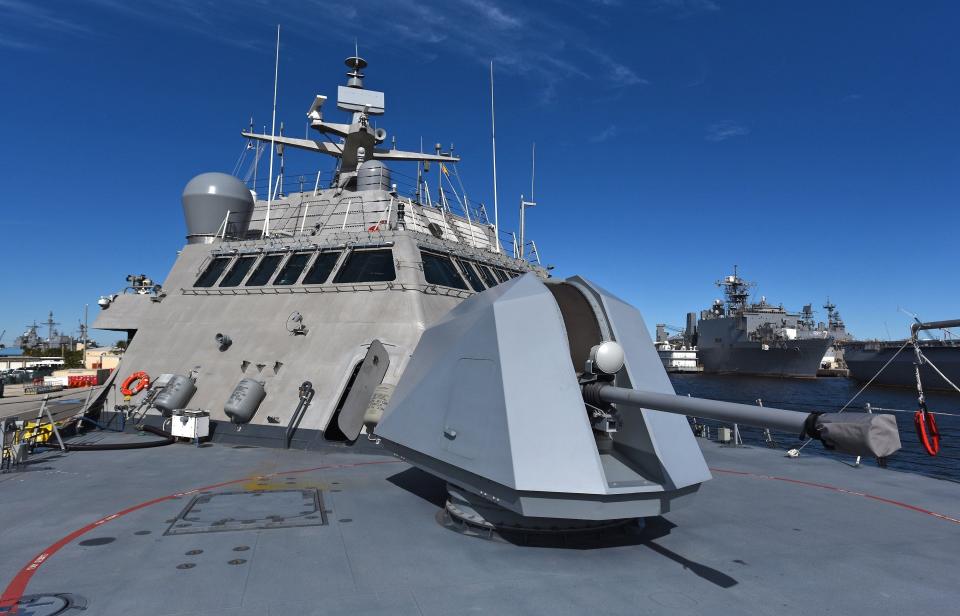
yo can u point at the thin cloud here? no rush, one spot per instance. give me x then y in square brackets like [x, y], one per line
[606, 134]
[20, 20]
[495, 14]
[547, 55]
[15, 43]
[683, 8]
[721, 131]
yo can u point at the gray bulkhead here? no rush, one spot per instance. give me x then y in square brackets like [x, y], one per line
[176, 333]
[288, 329]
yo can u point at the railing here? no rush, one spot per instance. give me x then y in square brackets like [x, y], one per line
[353, 287]
[469, 220]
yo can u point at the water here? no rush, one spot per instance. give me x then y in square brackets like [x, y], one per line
[829, 395]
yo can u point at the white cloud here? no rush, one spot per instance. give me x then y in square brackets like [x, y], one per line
[494, 14]
[721, 131]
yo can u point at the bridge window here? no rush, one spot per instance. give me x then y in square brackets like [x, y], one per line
[470, 275]
[322, 267]
[501, 275]
[212, 273]
[238, 271]
[367, 266]
[264, 270]
[439, 269]
[292, 268]
[486, 274]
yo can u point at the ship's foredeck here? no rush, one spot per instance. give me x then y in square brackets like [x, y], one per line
[222, 529]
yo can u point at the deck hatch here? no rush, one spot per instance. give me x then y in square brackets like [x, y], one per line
[250, 510]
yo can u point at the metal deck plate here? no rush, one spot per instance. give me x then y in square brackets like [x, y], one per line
[250, 510]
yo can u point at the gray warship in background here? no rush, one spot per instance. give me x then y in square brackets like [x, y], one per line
[758, 339]
[890, 363]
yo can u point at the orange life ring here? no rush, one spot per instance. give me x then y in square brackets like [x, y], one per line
[927, 431]
[142, 381]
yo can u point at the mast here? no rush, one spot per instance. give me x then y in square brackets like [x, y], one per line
[524, 204]
[273, 126]
[256, 156]
[493, 138]
[533, 168]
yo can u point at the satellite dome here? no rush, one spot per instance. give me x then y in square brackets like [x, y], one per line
[207, 201]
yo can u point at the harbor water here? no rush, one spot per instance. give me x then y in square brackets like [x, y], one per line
[829, 395]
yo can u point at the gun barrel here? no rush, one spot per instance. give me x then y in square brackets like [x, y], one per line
[759, 416]
[859, 434]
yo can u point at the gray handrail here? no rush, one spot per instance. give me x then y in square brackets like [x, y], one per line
[916, 327]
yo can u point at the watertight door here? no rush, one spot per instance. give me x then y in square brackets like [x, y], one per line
[372, 370]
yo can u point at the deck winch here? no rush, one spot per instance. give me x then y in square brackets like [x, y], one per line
[547, 400]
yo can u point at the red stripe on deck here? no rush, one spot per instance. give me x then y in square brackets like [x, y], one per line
[824, 486]
[18, 585]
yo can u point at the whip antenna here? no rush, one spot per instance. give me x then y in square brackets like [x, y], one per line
[273, 129]
[493, 138]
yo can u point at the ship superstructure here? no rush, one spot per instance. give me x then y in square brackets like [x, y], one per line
[291, 289]
[757, 338]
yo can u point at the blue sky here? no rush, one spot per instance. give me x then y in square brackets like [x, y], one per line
[814, 144]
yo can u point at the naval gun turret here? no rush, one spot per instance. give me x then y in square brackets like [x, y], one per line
[544, 404]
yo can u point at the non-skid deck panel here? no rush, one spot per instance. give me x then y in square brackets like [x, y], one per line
[258, 509]
[749, 544]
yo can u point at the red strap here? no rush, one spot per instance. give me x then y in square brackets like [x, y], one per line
[927, 431]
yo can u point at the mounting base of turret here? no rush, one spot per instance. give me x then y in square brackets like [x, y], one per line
[473, 515]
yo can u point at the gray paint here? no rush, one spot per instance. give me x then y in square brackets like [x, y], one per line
[243, 403]
[661, 440]
[491, 402]
[207, 200]
[175, 394]
[750, 545]
[369, 377]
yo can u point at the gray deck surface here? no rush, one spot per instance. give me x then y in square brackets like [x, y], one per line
[746, 544]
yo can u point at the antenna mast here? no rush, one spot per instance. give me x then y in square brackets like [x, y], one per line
[273, 127]
[493, 138]
[533, 168]
[524, 204]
